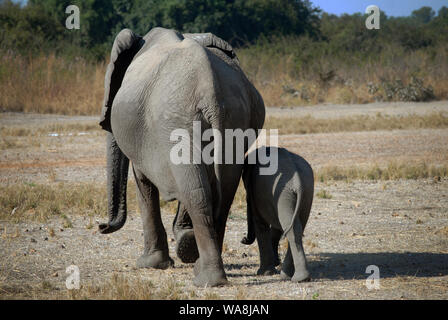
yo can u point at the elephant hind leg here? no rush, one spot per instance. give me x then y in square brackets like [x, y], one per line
[156, 252]
[295, 265]
[186, 247]
[196, 195]
[264, 240]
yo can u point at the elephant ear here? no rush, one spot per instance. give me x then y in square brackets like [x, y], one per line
[209, 40]
[125, 47]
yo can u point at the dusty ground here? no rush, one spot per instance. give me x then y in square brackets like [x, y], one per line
[399, 226]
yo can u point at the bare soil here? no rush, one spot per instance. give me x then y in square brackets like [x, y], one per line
[399, 226]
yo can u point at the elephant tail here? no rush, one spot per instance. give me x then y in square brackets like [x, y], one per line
[117, 178]
[299, 198]
[218, 133]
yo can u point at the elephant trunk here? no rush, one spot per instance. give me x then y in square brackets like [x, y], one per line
[117, 178]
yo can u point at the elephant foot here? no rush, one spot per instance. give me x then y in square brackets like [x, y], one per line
[156, 260]
[210, 278]
[301, 276]
[267, 271]
[285, 276]
[247, 241]
[186, 248]
[297, 277]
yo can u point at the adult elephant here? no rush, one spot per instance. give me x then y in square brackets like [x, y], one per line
[154, 85]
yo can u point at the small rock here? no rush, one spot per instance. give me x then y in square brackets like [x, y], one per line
[63, 246]
[244, 255]
[61, 229]
[46, 238]
[55, 274]
[33, 240]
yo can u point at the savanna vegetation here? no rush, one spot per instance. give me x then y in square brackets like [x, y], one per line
[293, 52]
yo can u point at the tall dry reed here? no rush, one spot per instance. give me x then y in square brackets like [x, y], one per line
[51, 84]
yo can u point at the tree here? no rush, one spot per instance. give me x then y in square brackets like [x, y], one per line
[443, 13]
[26, 29]
[423, 15]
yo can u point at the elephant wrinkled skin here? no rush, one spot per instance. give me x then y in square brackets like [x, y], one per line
[154, 85]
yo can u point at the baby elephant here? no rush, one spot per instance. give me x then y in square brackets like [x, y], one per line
[279, 204]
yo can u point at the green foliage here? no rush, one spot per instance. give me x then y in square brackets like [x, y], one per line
[424, 14]
[42, 22]
[25, 28]
[39, 26]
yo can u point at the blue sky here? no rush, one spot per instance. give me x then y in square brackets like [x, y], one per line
[391, 7]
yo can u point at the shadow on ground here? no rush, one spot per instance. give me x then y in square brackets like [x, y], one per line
[347, 266]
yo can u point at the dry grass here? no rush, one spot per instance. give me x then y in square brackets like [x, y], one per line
[122, 288]
[393, 171]
[117, 287]
[25, 131]
[9, 142]
[309, 124]
[31, 136]
[324, 194]
[39, 202]
[50, 84]
[285, 79]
